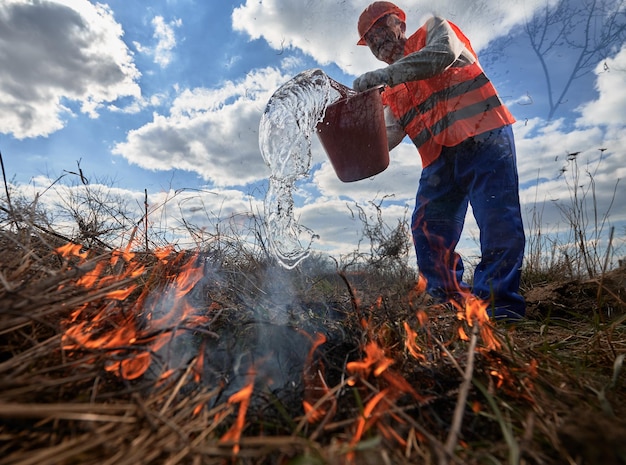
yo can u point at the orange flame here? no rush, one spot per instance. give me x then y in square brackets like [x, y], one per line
[315, 387]
[71, 250]
[197, 409]
[241, 397]
[419, 289]
[476, 313]
[90, 278]
[163, 253]
[362, 422]
[375, 361]
[474, 310]
[199, 364]
[378, 364]
[121, 294]
[411, 345]
[104, 324]
[392, 434]
[130, 368]
[422, 317]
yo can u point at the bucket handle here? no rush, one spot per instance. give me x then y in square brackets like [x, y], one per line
[344, 91]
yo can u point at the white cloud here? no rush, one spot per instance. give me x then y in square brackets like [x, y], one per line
[400, 178]
[213, 132]
[321, 30]
[59, 51]
[542, 147]
[598, 137]
[165, 41]
[592, 181]
[608, 109]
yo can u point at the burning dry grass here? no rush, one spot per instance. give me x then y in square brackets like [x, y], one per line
[177, 357]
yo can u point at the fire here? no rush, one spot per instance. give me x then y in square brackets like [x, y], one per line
[241, 397]
[131, 368]
[318, 400]
[130, 336]
[133, 332]
[199, 365]
[377, 364]
[419, 289]
[411, 345]
[474, 311]
[375, 361]
[374, 376]
[71, 250]
[366, 417]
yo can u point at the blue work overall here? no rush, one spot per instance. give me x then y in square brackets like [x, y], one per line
[480, 171]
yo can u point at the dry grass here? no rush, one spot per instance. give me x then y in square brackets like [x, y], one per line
[552, 393]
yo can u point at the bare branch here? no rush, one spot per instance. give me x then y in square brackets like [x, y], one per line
[591, 30]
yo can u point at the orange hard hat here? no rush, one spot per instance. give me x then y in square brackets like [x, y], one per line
[373, 13]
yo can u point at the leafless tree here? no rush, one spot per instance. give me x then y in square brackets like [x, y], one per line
[591, 29]
[94, 212]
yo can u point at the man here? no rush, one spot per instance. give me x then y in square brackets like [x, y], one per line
[439, 96]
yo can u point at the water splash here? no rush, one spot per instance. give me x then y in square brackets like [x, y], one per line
[290, 118]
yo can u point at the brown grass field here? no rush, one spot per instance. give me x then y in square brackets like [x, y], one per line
[165, 357]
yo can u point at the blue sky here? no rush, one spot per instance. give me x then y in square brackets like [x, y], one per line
[166, 96]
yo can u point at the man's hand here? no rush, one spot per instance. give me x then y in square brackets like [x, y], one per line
[371, 79]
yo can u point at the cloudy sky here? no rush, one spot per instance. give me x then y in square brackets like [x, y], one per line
[165, 98]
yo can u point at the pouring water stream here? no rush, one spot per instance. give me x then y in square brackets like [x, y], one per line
[288, 121]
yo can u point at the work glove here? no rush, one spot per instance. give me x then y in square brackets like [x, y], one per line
[371, 79]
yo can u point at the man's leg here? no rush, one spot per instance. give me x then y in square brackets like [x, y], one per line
[494, 195]
[438, 219]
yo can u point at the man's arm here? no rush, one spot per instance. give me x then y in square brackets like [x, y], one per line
[443, 48]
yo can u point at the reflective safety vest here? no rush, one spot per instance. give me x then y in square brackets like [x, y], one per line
[446, 109]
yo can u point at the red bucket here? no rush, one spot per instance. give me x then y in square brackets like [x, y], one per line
[354, 137]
